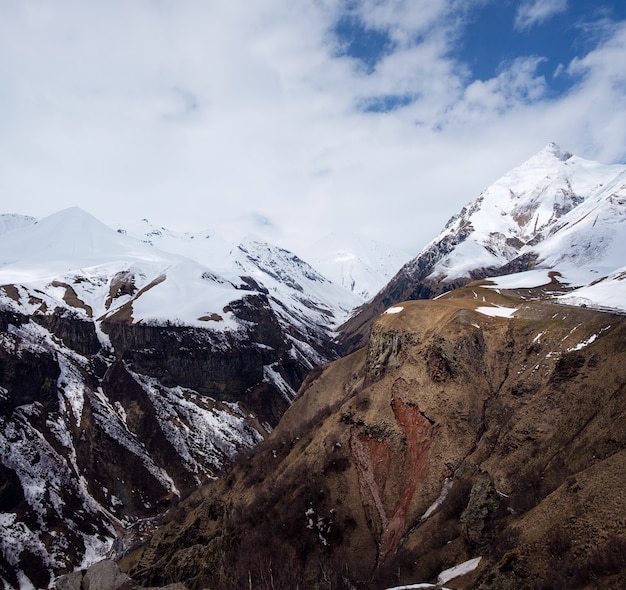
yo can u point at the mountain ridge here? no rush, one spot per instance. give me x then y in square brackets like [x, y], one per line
[532, 217]
[133, 375]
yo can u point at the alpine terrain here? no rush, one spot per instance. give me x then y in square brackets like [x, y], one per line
[130, 375]
[555, 212]
[476, 439]
[176, 403]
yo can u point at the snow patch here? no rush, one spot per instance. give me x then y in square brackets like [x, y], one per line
[458, 570]
[447, 486]
[416, 586]
[445, 576]
[271, 375]
[497, 311]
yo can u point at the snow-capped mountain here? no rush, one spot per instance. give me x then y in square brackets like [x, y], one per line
[358, 264]
[283, 274]
[361, 265]
[205, 247]
[135, 361]
[129, 374]
[556, 212]
[74, 246]
[9, 221]
[536, 210]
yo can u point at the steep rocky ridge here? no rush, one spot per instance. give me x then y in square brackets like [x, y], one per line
[556, 211]
[480, 425]
[95, 438]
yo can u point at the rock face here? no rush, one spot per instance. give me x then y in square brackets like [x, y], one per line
[103, 575]
[456, 434]
[98, 431]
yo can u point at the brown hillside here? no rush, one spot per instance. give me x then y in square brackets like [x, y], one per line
[453, 435]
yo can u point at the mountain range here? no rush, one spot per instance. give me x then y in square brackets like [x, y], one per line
[134, 363]
[137, 363]
[478, 441]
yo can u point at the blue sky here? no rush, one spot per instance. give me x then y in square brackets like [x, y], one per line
[498, 33]
[493, 35]
[295, 118]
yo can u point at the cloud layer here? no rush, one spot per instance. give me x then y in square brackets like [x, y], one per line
[244, 116]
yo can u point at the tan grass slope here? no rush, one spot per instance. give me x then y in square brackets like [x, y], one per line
[457, 433]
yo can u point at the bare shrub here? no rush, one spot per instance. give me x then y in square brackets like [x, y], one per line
[559, 542]
[610, 558]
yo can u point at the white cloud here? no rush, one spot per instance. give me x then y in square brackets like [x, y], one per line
[400, 17]
[209, 114]
[518, 85]
[600, 96]
[536, 12]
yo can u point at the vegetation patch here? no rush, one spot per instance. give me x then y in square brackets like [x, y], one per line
[214, 317]
[568, 367]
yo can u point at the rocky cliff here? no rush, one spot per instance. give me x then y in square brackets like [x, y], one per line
[103, 425]
[481, 430]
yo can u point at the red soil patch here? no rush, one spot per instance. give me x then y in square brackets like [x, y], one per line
[373, 458]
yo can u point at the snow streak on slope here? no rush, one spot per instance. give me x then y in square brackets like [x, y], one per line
[38, 448]
[202, 430]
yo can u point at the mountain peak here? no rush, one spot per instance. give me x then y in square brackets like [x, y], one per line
[556, 212]
[71, 238]
[73, 219]
[552, 150]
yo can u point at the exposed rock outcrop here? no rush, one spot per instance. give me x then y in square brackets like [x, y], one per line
[104, 424]
[103, 575]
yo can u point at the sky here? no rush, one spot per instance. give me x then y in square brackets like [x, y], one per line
[292, 119]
